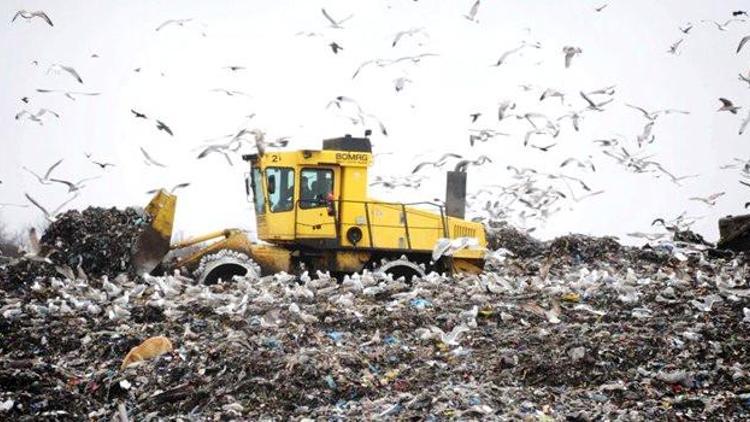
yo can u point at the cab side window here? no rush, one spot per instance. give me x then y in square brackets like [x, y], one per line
[315, 187]
[280, 183]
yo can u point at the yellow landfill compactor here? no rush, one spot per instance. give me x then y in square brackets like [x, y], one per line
[313, 212]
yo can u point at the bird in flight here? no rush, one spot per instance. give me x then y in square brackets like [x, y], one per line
[30, 15]
[50, 216]
[473, 12]
[162, 126]
[743, 41]
[45, 180]
[74, 186]
[36, 117]
[179, 22]
[335, 23]
[335, 47]
[727, 105]
[673, 48]
[59, 67]
[69, 94]
[174, 188]
[437, 164]
[409, 32]
[570, 52]
[710, 200]
[138, 115]
[150, 161]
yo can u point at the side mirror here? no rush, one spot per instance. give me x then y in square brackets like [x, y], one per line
[271, 184]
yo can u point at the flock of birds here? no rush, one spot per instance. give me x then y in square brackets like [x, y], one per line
[532, 195]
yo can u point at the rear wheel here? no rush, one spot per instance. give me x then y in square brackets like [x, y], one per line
[224, 265]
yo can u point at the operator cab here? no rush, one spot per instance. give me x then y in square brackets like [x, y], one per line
[295, 192]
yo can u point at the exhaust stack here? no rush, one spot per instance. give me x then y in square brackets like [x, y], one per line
[455, 194]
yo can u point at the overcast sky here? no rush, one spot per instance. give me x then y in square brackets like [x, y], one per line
[291, 78]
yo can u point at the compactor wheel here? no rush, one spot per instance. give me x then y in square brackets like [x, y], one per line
[224, 265]
[401, 267]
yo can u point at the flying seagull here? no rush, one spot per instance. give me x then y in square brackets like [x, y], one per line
[174, 188]
[44, 180]
[723, 26]
[149, 160]
[473, 11]
[74, 186]
[179, 22]
[335, 47]
[58, 67]
[30, 15]
[743, 41]
[602, 7]
[710, 200]
[229, 92]
[138, 115]
[161, 126]
[409, 32]
[744, 124]
[334, 23]
[673, 48]
[36, 117]
[727, 105]
[438, 163]
[50, 216]
[69, 94]
[570, 52]
[234, 68]
[686, 28]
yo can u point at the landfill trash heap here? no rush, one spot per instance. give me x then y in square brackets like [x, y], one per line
[576, 328]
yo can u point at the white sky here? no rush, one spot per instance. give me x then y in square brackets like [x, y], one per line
[291, 79]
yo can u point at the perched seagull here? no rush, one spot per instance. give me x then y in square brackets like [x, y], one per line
[58, 67]
[335, 47]
[69, 94]
[743, 41]
[179, 22]
[161, 126]
[30, 15]
[50, 216]
[45, 180]
[727, 105]
[710, 200]
[673, 48]
[570, 52]
[73, 187]
[174, 188]
[473, 11]
[334, 23]
[149, 160]
[138, 115]
[35, 117]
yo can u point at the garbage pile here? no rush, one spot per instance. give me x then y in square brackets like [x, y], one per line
[575, 334]
[98, 241]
